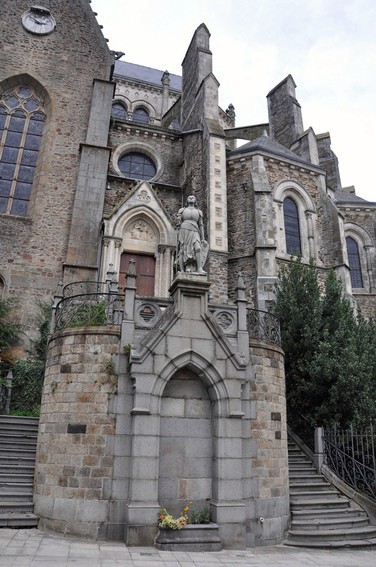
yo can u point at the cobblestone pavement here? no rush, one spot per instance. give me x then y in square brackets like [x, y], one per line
[32, 548]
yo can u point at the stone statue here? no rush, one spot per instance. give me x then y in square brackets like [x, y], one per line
[192, 248]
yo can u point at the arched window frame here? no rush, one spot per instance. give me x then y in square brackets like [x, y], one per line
[117, 104]
[141, 114]
[142, 148]
[307, 218]
[355, 264]
[27, 120]
[366, 250]
[140, 103]
[293, 239]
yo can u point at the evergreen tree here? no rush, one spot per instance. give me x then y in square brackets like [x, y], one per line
[299, 310]
[330, 351]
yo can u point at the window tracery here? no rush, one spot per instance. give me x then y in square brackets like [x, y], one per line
[22, 120]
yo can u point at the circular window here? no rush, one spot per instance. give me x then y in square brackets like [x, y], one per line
[137, 166]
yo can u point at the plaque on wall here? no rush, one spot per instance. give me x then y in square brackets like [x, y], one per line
[38, 20]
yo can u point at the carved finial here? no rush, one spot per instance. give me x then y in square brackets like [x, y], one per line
[241, 284]
[166, 79]
[230, 111]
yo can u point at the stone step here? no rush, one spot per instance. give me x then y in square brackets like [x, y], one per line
[317, 503]
[311, 478]
[19, 487]
[18, 520]
[368, 532]
[322, 517]
[19, 440]
[308, 487]
[326, 513]
[16, 476]
[15, 497]
[348, 544]
[312, 495]
[16, 507]
[329, 523]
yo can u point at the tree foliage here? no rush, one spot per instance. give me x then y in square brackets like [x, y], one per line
[28, 374]
[9, 328]
[330, 359]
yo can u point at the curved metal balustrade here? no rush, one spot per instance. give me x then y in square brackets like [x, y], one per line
[264, 325]
[351, 455]
[85, 287]
[89, 309]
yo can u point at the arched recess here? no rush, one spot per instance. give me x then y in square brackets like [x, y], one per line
[193, 404]
[366, 249]
[307, 217]
[186, 447]
[140, 227]
[24, 127]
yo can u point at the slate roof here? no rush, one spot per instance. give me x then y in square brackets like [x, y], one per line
[344, 197]
[145, 74]
[266, 144]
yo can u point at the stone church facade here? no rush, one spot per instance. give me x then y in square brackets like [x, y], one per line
[178, 399]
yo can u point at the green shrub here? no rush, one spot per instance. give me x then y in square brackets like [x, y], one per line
[27, 387]
[90, 314]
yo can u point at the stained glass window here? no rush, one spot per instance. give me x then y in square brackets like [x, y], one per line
[21, 127]
[292, 228]
[137, 166]
[354, 262]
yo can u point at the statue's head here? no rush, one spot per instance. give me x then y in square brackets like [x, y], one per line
[191, 200]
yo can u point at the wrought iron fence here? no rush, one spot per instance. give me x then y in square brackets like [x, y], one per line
[264, 325]
[89, 309]
[351, 455]
[86, 287]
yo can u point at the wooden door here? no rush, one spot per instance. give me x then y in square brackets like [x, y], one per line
[145, 271]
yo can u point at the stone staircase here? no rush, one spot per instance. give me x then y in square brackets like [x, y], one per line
[18, 443]
[320, 515]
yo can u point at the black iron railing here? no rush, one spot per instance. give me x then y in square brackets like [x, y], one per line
[264, 325]
[351, 455]
[89, 309]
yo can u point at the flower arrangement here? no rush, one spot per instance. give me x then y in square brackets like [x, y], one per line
[165, 520]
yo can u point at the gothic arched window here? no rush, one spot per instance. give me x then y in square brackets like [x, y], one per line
[119, 111]
[140, 114]
[22, 121]
[354, 262]
[292, 227]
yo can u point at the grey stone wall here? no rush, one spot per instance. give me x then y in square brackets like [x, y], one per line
[267, 493]
[62, 66]
[75, 457]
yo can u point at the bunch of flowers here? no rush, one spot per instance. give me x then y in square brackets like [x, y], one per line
[165, 520]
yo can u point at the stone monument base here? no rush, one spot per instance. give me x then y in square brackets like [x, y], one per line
[192, 537]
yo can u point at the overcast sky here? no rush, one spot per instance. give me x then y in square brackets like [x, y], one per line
[328, 46]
